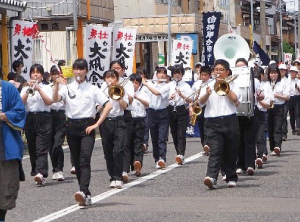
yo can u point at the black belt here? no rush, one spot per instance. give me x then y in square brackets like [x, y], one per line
[57, 111]
[34, 113]
[157, 110]
[114, 118]
[83, 120]
[222, 117]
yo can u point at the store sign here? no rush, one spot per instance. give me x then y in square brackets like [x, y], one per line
[151, 38]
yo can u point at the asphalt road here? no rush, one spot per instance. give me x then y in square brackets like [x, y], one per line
[174, 194]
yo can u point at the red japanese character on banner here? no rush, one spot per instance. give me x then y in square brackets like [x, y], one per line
[119, 36]
[186, 47]
[93, 34]
[17, 30]
[179, 45]
[103, 35]
[128, 37]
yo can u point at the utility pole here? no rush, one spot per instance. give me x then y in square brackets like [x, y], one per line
[298, 27]
[263, 24]
[169, 32]
[295, 28]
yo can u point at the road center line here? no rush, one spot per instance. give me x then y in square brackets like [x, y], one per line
[112, 192]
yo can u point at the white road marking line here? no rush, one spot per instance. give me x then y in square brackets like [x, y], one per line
[64, 147]
[112, 192]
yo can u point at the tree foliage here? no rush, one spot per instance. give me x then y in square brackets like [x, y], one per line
[287, 48]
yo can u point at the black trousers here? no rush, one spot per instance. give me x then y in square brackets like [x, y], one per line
[128, 149]
[275, 122]
[284, 120]
[81, 147]
[113, 137]
[178, 124]
[223, 134]
[137, 139]
[294, 109]
[201, 126]
[246, 151]
[58, 137]
[159, 125]
[146, 136]
[38, 131]
[260, 132]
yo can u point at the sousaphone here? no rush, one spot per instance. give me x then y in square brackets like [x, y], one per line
[230, 47]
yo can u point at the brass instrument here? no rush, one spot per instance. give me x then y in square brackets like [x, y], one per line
[117, 92]
[197, 110]
[30, 89]
[221, 86]
[175, 98]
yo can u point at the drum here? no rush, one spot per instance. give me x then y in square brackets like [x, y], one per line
[245, 81]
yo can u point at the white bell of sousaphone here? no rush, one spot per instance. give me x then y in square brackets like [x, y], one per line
[231, 47]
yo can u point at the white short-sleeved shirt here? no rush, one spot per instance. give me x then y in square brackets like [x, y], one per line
[59, 105]
[36, 103]
[293, 90]
[281, 88]
[184, 88]
[287, 83]
[139, 110]
[266, 91]
[84, 104]
[116, 107]
[161, 101]
[217, 106]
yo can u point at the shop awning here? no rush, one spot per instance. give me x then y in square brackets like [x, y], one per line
[13, 5]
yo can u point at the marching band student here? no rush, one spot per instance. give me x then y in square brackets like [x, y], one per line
[280, 93]
[139, 104]
[158, 116]
[222, 128]
[81, 98]
[58, 131]
[294, 102]
[38, 123]
[260, 112]
[120, 68]
[178, 113]
[284, 78]
[205, 75]
[113, 132]
[246, 151]
[145, 75]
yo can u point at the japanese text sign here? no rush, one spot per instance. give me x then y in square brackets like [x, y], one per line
[182, 52]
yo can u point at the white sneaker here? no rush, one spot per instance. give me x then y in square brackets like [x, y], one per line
[112, 184]
[39, 180]
[250, 171]
[80, 198]
[211, 183]
[119, 184]
[161, 163]
[239, 171]
[157, 166]
[259, 163]
[125, 177]
[224, 178]
[179, 159]
[73, 170]
[264, 158]
[273, 153]
[277, 151]
[231, 184]
[60, 176]
[54, 176]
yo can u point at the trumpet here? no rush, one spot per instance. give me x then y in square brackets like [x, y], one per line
[30, 89]
[117, 92]
[221, 86]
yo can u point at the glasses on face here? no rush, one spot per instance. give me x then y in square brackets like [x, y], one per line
[219, 70]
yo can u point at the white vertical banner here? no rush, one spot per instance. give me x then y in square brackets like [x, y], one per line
[124, 46]
[23, 34]
[98, 52]
[298, 54]
[182, 52]
[288, 58]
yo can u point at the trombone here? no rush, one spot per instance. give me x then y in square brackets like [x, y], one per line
[222, 87]
[117, 92]
[30, 89]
